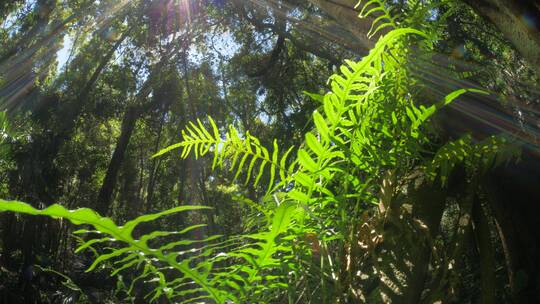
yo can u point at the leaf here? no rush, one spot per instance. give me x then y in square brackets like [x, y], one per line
[316, 97]
[321, 126]
[457, 93]
[314, 145]
[299, 196]
[306, 161]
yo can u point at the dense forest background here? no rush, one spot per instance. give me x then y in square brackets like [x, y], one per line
[270, 151]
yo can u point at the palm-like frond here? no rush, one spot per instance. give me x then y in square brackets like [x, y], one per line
[383, 18]
[477, 157]
[196, 276]
[243, 154]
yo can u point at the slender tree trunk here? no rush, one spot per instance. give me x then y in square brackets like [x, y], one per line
[512, 192]
[128, 124]
[194, 166]
[109, 183]
[155, 164]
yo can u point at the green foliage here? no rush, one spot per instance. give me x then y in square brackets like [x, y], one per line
[194, 267]
[67, 283]
[256, 273]
[245, 153]
[382, 16]
[367, 125]
[349, 128]
[131, 250]
[477, 158]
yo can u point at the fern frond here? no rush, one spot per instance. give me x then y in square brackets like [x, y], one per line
[130, 250]
[383, 18]
[197, 275]
[243, 154]
[477, 158]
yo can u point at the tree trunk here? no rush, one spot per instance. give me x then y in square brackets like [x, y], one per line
[194, 166]
[154, 168]
[72, 110]
[109, 183]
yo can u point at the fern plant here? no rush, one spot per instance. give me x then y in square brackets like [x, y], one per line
[367, 127]
[131, 251]
[199, 271]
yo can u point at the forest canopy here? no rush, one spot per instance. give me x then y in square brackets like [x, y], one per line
[269, 151]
